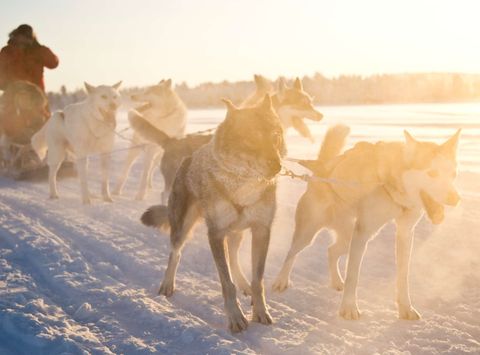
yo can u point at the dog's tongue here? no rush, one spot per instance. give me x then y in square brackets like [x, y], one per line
[435, 211]
[108, 116]
[302, 128]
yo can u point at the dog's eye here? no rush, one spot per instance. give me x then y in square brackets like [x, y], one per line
[104, 97]
[433, 173]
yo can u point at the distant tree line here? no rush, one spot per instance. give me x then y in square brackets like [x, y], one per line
[340, 90]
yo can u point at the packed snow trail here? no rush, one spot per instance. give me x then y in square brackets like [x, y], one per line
[83, 279]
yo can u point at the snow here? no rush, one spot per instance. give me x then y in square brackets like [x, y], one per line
[82, 279]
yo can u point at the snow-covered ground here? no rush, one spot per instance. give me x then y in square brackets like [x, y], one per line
[83, 279]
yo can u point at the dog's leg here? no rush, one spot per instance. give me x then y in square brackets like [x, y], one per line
[105, 166]
[82, 165]
[156, 163]
[260, 242]
[309, 220]
[372, 213]
[55, 158]
[234, 240]
[236, 319]
[147, 170]
[358, 245]
[178, 236]
[405, 228]
[336, 250]
[133, 153]
[168, 179]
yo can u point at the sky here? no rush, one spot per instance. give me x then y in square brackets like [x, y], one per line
[141, 42]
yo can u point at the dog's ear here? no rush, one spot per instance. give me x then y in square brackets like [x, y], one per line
[117, 85]
[450, 146]
[168, 83]
[282, 87]
[409, 138]
[298, 84]
[90, 88]
[411, 146]
[230, 106]
[161, 82]
[261, 82]
[266, 103]
[258, 80]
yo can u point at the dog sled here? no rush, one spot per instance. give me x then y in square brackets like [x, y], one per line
[23, 111]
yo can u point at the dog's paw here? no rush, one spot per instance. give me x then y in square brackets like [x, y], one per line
[244, 287]
[408, 313]
[108, 198]
[280, 284]
[237, 321]
[349, 311]
[166, 289]
[262, 317]
[337, 285]
[53, 197]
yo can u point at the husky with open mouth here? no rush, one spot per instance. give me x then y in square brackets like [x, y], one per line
[164, 111]
[356, 193]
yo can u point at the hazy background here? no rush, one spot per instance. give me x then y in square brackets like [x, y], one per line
[215, 40]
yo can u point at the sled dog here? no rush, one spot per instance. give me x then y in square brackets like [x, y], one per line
[375, 184]
[83, 128]
[262, 87]
[292, 104]
[163, 110]
[231, 182]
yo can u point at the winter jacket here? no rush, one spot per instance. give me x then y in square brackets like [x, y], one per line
[17, 63]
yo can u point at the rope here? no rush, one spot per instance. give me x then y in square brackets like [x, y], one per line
[307, 178]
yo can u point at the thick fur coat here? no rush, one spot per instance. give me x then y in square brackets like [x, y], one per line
[230, 182]
[356, 193]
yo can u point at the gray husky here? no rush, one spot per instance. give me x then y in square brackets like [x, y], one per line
[231, 182]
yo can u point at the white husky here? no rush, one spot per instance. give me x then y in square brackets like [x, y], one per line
[375, 183]
[83, 129]
[166, 112]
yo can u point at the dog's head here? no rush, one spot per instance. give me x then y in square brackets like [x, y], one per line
[251, 139]
[161, 96]
[106, 98]
[293, 105]
[296, 101]
[431, 174]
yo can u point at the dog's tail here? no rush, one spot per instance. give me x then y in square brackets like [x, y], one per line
[332, 145]
[147, 130]
[156, 216]
[39, 142]
[333, 142]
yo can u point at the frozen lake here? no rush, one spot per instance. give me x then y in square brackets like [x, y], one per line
[433, 122]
